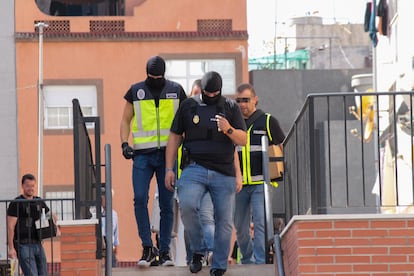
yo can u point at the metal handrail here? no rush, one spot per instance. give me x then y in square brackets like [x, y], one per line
[333, 166]
[271, 238]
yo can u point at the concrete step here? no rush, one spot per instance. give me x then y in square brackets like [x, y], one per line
[232, 270]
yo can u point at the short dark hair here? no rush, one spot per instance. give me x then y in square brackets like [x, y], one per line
[245, 86]
[28, 176]
[197, 82]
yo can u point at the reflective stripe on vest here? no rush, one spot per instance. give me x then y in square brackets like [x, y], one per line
[151, 125]
[248, 178]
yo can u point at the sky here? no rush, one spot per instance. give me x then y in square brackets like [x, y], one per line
[267, 17]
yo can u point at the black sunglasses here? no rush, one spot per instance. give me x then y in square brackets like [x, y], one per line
[242, 100]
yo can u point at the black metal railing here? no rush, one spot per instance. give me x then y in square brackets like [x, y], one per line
[87, 169]
[350, 153]
[62, 209]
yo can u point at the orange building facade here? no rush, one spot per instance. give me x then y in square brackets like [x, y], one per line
[96, 59]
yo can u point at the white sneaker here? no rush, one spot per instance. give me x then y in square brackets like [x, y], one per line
[165, 259]
[149, 257]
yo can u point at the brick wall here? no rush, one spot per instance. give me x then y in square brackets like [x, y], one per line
[78, 249]
[345, 245]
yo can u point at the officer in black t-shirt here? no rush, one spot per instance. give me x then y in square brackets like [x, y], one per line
[210, 126]
[23, 240]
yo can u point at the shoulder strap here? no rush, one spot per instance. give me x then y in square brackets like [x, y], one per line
[254, 117]
[220, 107]
[268, 115]
[195, 101]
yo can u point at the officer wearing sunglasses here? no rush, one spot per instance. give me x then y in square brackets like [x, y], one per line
[249, 201]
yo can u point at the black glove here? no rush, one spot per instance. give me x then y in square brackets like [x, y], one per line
[127, 151]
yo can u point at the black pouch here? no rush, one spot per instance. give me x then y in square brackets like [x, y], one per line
[46, 229]
[185, 158]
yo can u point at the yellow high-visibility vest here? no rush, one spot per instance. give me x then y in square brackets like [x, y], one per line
[253, 145]
[151, 124]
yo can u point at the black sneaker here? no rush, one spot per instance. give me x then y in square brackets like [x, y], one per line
[165, 259]
[196, 263]
[157, 257]
[217, 272]
[149, 257]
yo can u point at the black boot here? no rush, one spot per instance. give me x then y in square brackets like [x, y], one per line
[217, 272]
[196, 264]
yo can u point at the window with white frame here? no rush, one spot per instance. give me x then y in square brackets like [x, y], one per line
[63, 205]
[58, 104]
[185, 71]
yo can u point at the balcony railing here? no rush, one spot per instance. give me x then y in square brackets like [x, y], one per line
[350, 153]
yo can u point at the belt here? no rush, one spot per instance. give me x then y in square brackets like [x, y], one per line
[27, 241]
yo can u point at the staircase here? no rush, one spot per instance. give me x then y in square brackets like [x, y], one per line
[232, 270]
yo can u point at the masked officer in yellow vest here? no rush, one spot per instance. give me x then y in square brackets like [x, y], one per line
[250, 200]
[149, 110]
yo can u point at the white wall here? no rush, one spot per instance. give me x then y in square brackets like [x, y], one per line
[395, 52]
[8, 116]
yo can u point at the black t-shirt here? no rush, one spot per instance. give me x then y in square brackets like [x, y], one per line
[27, 212]
[205, 151]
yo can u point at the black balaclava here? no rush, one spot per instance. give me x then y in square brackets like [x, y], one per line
[155, 67]
[211, 82]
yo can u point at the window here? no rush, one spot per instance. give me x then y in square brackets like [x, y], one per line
[58, 104]
[63, 204]
[186, 71]
[81, 7]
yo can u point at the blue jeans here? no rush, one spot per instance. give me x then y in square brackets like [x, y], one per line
[207, 223]
[194, 183]
[32, 259]
[250, 207]
[145, 165]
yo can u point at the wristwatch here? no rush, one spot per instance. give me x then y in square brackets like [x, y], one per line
[229, 131]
